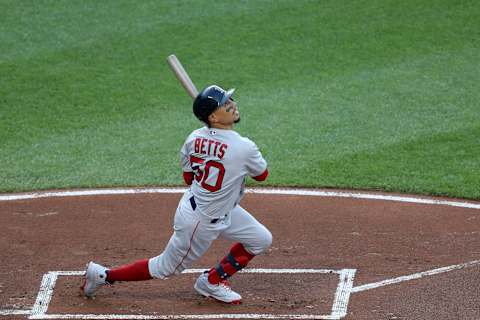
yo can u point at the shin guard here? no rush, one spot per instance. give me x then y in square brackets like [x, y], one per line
[234, 261]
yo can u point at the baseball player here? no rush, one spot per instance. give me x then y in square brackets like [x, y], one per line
[216, 161]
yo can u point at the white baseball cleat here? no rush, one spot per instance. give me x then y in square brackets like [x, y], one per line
[221, 292]
[95, 276]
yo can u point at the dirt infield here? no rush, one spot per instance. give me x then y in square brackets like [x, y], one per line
[333, 257]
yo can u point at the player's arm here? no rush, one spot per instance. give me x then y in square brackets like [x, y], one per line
[185, 163]
[256, 165]
[188, 177]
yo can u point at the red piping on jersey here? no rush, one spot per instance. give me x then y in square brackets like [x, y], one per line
[262, 177]
[188, 177]
[189, 247]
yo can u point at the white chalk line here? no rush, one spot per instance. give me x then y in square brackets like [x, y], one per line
[45, 293]
[249, 270]
[414, 276]
[342, 295]
[297, 192]
[184, 316]
[8, 312]
[339, 308]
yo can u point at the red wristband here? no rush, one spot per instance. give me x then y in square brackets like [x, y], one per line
[262, 177]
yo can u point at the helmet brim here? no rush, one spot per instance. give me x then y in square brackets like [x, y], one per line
[227, 96]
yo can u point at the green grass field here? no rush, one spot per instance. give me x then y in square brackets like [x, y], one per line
[376, 94]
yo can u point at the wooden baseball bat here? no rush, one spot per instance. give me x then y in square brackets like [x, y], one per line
[182, 75]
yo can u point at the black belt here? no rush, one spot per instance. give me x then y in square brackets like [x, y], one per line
[194, 206]
[192, 202]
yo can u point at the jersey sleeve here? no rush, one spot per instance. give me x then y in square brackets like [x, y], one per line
[185, 156]
[255, 163]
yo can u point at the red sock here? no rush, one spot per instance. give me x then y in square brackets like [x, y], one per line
[237, 259]
[136, 271]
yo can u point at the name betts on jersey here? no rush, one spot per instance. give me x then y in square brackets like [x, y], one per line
[210, 147]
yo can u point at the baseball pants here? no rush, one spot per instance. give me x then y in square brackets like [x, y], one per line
[193, 233]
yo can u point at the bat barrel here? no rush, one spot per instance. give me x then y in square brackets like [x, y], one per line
[182, 75]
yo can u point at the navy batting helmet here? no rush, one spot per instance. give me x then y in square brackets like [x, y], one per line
[209, 100]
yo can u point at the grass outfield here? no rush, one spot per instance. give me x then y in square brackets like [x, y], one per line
[376, 94]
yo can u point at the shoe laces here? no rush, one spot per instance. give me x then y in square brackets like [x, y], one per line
[225, 284]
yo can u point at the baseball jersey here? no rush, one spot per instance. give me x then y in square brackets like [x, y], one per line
[220, 160]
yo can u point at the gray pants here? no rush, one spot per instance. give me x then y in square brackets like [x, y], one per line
[194, 233]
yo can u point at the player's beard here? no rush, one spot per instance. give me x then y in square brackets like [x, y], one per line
[237, 120]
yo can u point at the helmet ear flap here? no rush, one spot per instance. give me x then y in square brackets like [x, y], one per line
[210, 105]
[203, 106]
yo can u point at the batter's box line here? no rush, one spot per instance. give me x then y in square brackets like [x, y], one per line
[49, 279]
[414, 276]
[339, 308]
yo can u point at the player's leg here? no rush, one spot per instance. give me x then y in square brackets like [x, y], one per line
[97, 275]
[173, 260]
[191, 238]
[252, 238]
[242, 227]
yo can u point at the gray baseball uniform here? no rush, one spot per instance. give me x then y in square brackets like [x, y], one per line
[218, 161]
